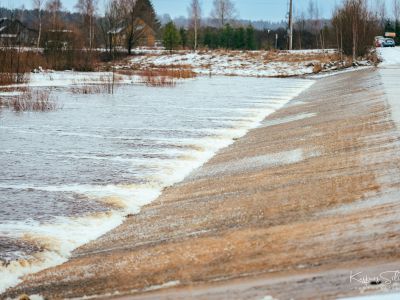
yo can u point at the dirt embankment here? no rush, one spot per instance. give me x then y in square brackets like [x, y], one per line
[289, 210]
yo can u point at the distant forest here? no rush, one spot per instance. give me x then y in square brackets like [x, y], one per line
[127, 24]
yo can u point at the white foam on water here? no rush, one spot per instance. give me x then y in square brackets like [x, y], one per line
[59, 237]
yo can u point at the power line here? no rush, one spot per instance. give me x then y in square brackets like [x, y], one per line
[291, 25]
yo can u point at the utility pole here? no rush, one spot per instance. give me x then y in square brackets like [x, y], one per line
[291, 25]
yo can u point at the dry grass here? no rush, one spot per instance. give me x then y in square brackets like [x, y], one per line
[127, 72]
[235, 61]
[106, 85]
[12, 78]
[317, 68]
[320, 57]
[89, 89]
[155, 79]
[278, 56]
[16, 64]
[165, 76]
[30, 100]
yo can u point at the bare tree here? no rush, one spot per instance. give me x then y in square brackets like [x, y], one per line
[132, 29]
[88, 9]
[138, 18]
[54, 7]
[355, 24]
[380, 7]
[396, 10]
[110, 22]
[300, 26]
[337, 25]
[315, 22]
[37, 5]
[130, 21]
[223, 11]
[195, 19]
[311, 9]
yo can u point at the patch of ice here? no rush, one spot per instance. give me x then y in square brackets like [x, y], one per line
[288, 119]
[339, 72]
[269, 298]
[389, 56]
[391, 78]
[252, 163]
[393, 296]
[36, 297]
[10, 94]
[162, 286]
[387, 198]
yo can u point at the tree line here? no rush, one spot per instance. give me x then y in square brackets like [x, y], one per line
[228, 37]
[351, 29]
[125, 22]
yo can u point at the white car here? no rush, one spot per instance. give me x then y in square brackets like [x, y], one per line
[379, 41]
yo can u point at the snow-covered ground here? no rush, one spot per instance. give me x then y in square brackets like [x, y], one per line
[389, 56]
[395, 296]
[241, 63]
[390, 73]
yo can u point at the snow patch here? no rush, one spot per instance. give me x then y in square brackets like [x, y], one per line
[268, 298]
[288, 119]
[389, 56]
[394, 296]
[250, 64]
[390, 74]
[339, 72]
[253, 163]
[162, 286]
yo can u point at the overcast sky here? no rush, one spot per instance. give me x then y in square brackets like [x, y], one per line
[273, 10]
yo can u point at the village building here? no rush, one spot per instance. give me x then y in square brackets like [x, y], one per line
[14, 33]
[143, 34]
[59, 39]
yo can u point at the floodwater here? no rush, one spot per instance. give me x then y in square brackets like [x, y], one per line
[70, 175]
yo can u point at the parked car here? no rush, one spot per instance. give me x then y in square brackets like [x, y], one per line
[379, 40]
[389, 43]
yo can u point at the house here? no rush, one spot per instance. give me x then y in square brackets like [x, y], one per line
[14, 33]
[143, 35]
[148, 36]
[59, 39]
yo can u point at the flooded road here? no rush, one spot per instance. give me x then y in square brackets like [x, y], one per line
[69, 176]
